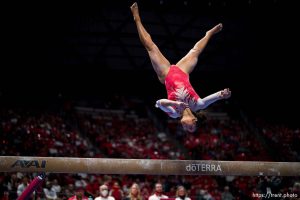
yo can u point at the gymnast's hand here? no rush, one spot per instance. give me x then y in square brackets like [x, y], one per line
[225, 94]
[181, 106]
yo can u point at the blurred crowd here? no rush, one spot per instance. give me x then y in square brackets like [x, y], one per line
[130, 132]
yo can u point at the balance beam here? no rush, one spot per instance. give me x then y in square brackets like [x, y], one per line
[147, 166]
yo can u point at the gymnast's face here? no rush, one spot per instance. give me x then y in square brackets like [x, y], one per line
[189, 123]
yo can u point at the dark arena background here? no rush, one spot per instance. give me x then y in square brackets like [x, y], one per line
[77, 82]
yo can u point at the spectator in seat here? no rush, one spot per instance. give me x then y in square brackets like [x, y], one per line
[49, 191]
[56, 186]
[23, 185]
[134, 193]
[79, 195]
[226, 195]
[104, 194]
[116, 192]
[181, 194]
[158, 193]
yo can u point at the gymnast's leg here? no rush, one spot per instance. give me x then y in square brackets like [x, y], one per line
[159, 62]
[188, 62]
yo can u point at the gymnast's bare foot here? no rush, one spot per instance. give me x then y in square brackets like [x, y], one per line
[135, 11]
[215, 30]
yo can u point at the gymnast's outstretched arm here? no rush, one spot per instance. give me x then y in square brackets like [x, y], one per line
[205, 102]
[169, 106]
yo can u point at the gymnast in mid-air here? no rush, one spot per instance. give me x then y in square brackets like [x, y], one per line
[183, 102]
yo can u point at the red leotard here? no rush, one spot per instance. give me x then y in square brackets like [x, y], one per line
[179, 87]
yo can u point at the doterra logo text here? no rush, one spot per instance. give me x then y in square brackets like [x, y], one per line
[29, 163]
[203, 168]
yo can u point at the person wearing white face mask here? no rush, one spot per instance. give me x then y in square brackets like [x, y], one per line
[104, 193]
